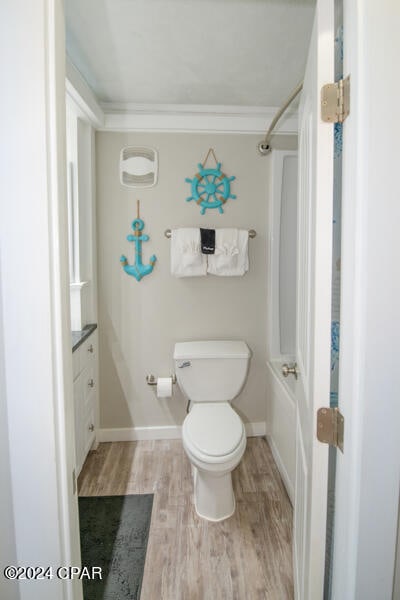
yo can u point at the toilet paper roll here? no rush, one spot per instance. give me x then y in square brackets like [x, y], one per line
[164, 387]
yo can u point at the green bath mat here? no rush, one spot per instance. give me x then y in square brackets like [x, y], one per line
[114, 533]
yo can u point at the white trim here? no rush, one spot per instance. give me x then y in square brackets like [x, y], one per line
[168, 432]
[116, 116]
[257, 429]
[80, 94]
[281, 468]
[220, 109]
[133, 434]
[77, 305]
[78, 285]
[193, 118]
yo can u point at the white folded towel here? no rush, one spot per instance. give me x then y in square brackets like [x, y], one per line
[186, 257]
[231, 253]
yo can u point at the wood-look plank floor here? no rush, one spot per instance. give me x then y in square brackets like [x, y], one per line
[245, 557]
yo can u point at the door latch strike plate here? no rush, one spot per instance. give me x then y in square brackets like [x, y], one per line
[330, 427]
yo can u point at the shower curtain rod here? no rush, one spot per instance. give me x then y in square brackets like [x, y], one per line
[264, 146]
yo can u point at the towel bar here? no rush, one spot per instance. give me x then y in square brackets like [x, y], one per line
[252, 233]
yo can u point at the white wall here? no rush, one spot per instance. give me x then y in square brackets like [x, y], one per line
[140, 322]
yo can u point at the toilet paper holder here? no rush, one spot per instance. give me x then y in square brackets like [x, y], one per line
[152, 380]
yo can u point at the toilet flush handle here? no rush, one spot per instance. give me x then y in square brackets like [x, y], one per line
[186, 363]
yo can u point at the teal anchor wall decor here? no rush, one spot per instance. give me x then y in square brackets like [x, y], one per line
[210, 188]
[138, 270]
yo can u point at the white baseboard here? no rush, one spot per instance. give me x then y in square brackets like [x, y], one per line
[172, 432]
[281, 468]
[255, 429]
[133, 434]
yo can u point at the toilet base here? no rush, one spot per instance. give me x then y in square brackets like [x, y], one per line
[213, 494]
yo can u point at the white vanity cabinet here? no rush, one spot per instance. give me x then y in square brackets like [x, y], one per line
[85, 367]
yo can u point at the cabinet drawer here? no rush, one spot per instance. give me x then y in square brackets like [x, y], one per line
[76, 363]
[89, 382]
[89, 348]
[88, 434]
[85, 369]
[84, 355]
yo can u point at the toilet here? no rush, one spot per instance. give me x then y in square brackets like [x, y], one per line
[211, 374]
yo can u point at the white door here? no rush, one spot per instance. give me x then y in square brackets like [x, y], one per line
[314, 239]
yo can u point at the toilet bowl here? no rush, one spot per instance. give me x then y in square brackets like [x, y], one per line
[211, 374]
[213, 454]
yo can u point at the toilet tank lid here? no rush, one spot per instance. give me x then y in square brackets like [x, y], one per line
[211, 349]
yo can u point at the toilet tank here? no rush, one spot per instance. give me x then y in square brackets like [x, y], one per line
[211, 371]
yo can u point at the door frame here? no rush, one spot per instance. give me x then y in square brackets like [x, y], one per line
[367, 482]
[35, 332]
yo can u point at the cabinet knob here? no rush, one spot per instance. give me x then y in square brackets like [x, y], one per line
[90, 349]
[91, 427]
[91, 383]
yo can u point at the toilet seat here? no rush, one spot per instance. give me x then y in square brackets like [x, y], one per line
[213, 431]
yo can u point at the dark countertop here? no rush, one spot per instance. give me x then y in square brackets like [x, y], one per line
[78, 337]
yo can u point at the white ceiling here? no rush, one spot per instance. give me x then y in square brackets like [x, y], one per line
[212, 52]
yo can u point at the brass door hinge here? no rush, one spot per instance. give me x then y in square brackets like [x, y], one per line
[335, 101]
[330, 427]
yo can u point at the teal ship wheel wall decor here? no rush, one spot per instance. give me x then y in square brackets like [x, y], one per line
[138, 270]
[210, 188]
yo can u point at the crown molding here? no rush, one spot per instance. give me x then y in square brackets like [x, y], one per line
[82, 97]
[190, 118]
[194, 118]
